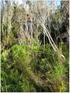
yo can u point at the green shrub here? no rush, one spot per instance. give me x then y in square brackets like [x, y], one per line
[22, 63]
[13, 73]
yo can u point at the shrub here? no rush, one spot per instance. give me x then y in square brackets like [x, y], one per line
[25, 68]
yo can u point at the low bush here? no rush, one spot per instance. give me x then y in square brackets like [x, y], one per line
[27, 68]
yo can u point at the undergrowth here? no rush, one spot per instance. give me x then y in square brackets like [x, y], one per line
[33, 68]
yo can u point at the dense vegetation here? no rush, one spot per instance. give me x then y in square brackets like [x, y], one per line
[27, 65]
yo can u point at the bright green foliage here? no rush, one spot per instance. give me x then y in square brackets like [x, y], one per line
[21, 61]
[13, 71]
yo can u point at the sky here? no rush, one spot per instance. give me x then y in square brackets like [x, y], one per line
[20, 1]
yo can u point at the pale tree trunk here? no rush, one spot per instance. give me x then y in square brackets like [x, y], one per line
[10, 14]
[2, 15]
